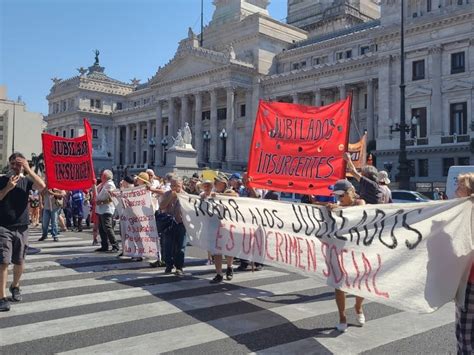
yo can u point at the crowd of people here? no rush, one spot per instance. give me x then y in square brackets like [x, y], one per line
[27, 200]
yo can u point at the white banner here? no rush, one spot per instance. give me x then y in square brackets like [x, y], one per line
[410, 256]
[137, 222]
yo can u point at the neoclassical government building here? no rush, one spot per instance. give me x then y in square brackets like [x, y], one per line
[324, 52]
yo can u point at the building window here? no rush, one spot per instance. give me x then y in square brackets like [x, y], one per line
[145, 133]
[422, 167]
[316, 61]
[303, 64]
[296, 66]
[57, 134]
[222, 113]
[206, 115]
[418, 69]
[447, 163]
[144, 156]
[166, 131]
[421, 130]
[119, 105]
[134, 157]
[72, 133]
[349, 53]
[134, 135]
[63, 106]
[365, 101]
[411, 167]
[242, 110]
[464, 161]
[95, 133]
[458, 118]
[92, 103]
[428, 6]
[364, 50]
[339, 55]
[95, 103]
[457, 63]
[64, 134]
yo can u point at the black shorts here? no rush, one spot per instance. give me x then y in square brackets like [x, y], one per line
[13, 245]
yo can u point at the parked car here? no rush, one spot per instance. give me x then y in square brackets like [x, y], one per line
[406, 196]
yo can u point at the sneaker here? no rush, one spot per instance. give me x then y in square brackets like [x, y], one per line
[360, 318]
[168, 270]
[115, 248]
[41, 239]
[4, 305]
[217, 279]
[137, 258]
[229, 274]
[16, 294]
[101, 250]
[157, 263]
[342, 327]
[95, 242]
[55, 239]
[179, 272]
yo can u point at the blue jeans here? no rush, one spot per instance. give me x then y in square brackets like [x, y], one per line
[50, 216]
[174, 246]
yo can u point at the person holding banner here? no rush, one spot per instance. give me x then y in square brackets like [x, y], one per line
[175, 237]
[346, 194]
[369, 189]
[14, 192]
[105, 210]
[465, 312]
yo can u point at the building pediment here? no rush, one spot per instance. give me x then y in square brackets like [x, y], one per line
[457, 85]
[418, 91]
[191, 60]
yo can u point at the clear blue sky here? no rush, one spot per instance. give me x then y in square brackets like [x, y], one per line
[42, 39]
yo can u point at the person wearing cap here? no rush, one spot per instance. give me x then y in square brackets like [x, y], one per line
[235, 181]
[384, 181]
[220, 187]
[369, 189]
[206, 187]
[143, 179]
[192, 187]
[346, 194]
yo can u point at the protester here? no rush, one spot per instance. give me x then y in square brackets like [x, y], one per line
[105, 210]
[247, 191]
[174, 238]
[127, 182]
[221, 187]
[384, 181]
[77, 199]
[34, 201]
[369, 189]
[271, 195]
[207, 191]
[153, 179]
[52, 203]
[14, 192]
[346, 194]
[142, 179]
[67, 208]
[465, 312]
[235, 182]
[191, 187]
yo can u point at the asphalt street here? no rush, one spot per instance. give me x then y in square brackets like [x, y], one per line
[80, 302]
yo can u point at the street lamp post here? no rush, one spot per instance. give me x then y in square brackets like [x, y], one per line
[152, 145]
[206, 137]
[164, 143]
[403, 175]
[223, 136]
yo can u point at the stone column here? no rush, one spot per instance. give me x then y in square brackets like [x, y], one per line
[213, 129]
[342, 92]
[436, 122]
[159, 134]
[230, 126]
[384, 97]
[137, 145]
[184, 111]
[198, 126]
[370, 110]
[317, 97]
[295, 98]
[171, 117]
[128, 139]
[357, 130]
[148, 148]
[248, 120]
[117, 146]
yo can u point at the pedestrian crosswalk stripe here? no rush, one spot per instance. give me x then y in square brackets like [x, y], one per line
[116, 316]
[47, 255]
[158, 289]
[62, 243]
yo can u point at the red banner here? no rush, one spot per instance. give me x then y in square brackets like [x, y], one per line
[299, 148]
[68, 161]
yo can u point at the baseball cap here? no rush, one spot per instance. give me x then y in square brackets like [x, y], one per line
[236, 176]
[382, 176]
[341, 186]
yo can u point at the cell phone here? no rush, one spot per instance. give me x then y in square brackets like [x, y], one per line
[10, 173]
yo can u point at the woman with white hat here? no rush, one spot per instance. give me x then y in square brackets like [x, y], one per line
[384, 181]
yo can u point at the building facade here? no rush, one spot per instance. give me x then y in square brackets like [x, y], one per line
[20, 130]
[339, 48]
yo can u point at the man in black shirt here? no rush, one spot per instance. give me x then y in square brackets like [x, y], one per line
[14, 191]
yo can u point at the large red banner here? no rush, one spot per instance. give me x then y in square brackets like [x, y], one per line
[299, 148]
[68, 161]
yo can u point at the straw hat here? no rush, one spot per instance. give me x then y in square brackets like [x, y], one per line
[144, 177]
